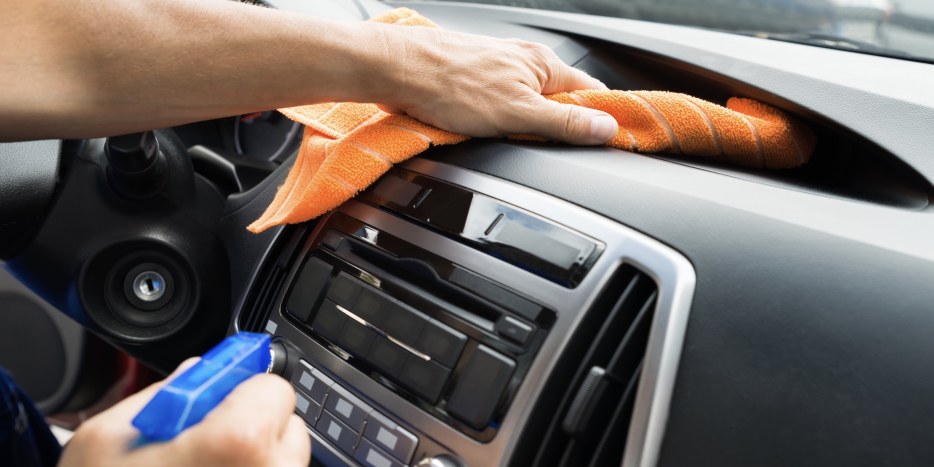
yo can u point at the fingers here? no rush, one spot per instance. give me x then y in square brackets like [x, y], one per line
[295, 448]
[248, 428]
[571, 124]
[390, 109]
[253, 426]
[262, 403]
[567, 78]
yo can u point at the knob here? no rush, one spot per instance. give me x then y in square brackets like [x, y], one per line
[277, 352]
[442, 460]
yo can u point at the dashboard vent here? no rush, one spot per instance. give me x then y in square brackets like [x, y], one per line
[254, 319]
[587, 420]
[271, 279]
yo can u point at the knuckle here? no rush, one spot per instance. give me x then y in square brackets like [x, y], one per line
[573, 121]
[539, 52]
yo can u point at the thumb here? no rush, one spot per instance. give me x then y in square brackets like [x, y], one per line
[572, 124]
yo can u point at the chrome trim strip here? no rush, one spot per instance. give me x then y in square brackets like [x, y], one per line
[379, 331]
[659, 368]
[673, 274]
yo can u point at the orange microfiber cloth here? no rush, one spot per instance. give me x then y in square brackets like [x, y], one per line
[348, 146]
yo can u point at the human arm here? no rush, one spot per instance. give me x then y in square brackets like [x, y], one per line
[84, 69]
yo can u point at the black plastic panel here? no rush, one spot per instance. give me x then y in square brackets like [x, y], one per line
[388, 306]
[507, 232]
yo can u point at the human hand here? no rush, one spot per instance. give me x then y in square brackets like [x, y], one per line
[253, 426]
[482, 86]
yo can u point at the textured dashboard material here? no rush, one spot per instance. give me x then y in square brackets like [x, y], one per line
[27, 185]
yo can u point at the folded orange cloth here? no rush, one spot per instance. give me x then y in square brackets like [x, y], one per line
[348, 146]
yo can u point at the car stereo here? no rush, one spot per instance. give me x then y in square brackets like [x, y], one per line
[423, 319]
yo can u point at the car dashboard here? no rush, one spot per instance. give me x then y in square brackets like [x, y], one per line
[504, 302]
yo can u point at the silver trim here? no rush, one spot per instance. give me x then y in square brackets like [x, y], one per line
[676, 280]
[660, 367]
[379, 331]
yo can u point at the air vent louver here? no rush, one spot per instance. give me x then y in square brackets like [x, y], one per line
[254, 316]
[270, 281]
[587, 404]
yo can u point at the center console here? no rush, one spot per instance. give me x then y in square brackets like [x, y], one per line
[452, 318]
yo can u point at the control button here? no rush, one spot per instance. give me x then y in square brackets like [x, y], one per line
[336, 432]
[311, 381]
[543, 240]
[306, 408]
[329, 321]
[387, 356]
[372, 456]
[344, 290]
[390, 437]
[480, 387]
[513, 329]
[396, 190]
[495, 293]
[446, 207]
[331, 240]
[310, 283]
[426, 379]
[441, 343]
[347, 408]
[372, 306]
[404, 323]
[356, 338]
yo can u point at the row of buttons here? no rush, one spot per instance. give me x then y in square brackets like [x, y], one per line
[349, 423]
[414, 350]
[437, 347]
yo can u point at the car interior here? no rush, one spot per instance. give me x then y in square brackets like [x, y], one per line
[506, 302]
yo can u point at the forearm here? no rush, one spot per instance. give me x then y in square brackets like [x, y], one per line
[83, 69]
[73, 69]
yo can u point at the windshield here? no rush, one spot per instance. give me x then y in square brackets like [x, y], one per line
[896, 28]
